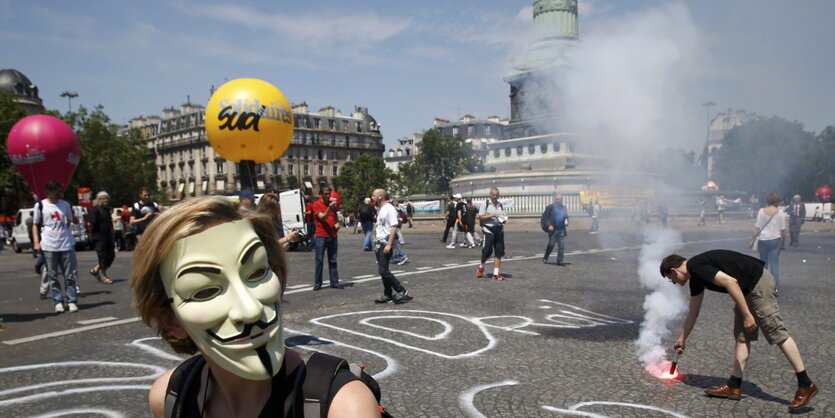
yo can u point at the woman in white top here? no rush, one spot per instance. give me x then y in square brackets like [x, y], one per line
[771, 229]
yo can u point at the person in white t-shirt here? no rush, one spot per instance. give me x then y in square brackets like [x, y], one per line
[55, 239]
[771, 229]
[385, 239]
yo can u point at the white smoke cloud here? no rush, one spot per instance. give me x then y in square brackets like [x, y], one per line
[664, 306]
[628, 84]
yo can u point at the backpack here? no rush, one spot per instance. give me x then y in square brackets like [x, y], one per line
[320, 371]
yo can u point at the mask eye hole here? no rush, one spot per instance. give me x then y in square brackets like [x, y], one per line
[258, 275]
[206, 294]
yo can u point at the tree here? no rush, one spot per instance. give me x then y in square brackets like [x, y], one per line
[360, 177]
[763, 156]
[12, 185]
[818, 167]
[118, 164]
[439, 159]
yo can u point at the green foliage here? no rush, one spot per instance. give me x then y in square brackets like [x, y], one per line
[766, 155]
[818, 167]
[12, 186]
[360, 177]
[118, 164]
[439, 159]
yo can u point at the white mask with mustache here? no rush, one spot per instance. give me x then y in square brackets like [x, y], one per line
[226, 297]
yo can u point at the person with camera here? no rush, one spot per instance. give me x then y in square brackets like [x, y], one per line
[492, 218]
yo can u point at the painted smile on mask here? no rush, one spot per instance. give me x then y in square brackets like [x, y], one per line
[227, 298]
[246, 334]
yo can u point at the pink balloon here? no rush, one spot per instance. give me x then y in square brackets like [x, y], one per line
[43, 148]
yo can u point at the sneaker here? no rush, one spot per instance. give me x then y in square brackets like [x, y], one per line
[73, 307]
[384, 299]
[451, 246]
[402, 297]
[479, 272]
[402, 261]
[59, 308]
[462, 245]
[499, 276]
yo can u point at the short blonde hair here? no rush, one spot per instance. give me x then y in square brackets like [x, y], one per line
[183, 220]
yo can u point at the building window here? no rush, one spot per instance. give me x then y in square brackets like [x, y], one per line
[305, 154]
[237, 168]
[321, 155]
[519, 150]
[333, 154]
[289, 153]
[531, 149]
[333, 139]
[321, 170]
[204, 170]
[331, 124]
[487, 130]
[220, 166]
[507, 152]
[290, 171]
[543, 148]
[259, 168]
[306, 170]
[276, 168]
[556, 147]
[470, 130]
[317, 123]
[454, 131]
[335, 171]
[345, 126]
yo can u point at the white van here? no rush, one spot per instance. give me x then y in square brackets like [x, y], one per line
[20, 233]
[292, 214]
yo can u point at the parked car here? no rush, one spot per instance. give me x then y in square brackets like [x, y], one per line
[20, 234]
[79, 230]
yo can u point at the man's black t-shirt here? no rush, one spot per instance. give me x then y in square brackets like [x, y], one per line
[703, 268]
[139, 210]
[366, 213]
[461, 207]
[452, 212]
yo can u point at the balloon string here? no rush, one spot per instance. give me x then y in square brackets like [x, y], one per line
[32, 172]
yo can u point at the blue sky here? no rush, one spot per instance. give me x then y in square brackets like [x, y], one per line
[407, 62]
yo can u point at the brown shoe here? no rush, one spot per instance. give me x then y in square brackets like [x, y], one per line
[802, 397]
[724, 392]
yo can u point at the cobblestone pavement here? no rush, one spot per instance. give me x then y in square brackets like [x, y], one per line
[549, 341]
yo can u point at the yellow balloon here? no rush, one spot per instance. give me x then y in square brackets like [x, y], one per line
[249, 119]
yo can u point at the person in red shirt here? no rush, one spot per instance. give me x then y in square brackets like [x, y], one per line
[324, 216]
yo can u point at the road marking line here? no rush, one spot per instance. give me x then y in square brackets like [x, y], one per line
[97, 320]
[69, 331]
[308, 288]
[298, 286]
[452, 264]
[397, 271]
[364, 276]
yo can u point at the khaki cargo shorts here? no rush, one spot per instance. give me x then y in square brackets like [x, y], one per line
[762, 302]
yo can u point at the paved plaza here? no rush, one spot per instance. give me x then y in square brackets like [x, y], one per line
[549, 341]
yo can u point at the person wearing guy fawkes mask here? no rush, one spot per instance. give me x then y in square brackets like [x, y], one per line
[492, 217]
[209, 278]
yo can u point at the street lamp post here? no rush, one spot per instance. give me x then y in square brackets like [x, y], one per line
[69, 95]
[708, 104]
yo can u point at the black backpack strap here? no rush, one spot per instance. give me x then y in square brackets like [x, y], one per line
[182, 379]
[325, 375]
[320, 372]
